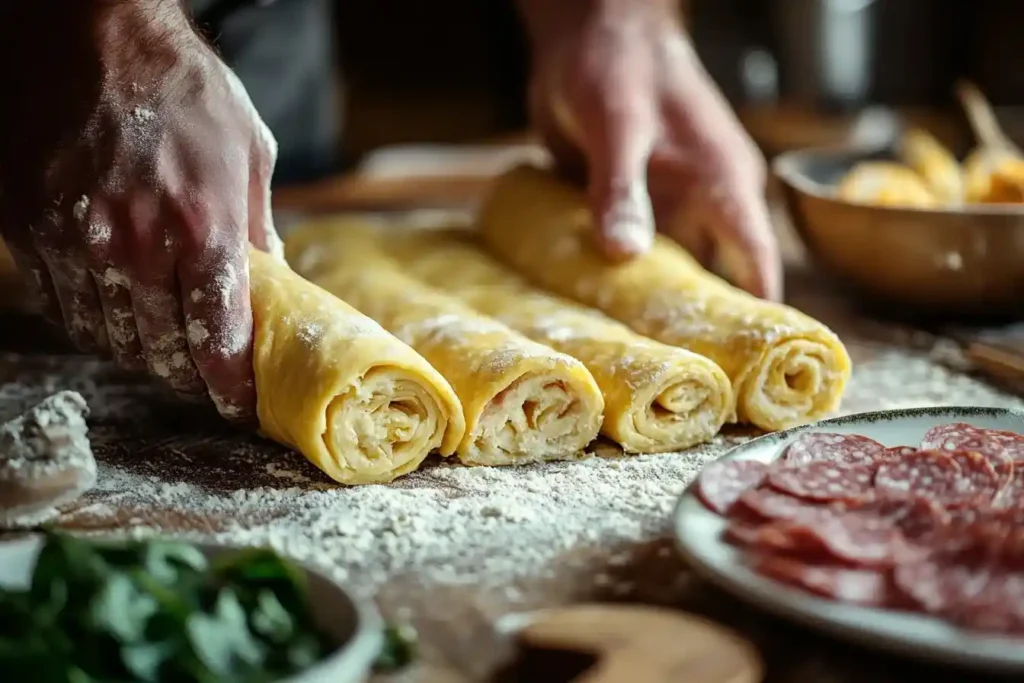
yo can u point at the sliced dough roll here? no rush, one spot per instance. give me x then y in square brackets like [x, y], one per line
[786, 368]
[333, 384]
[523, 401]
[657, 397]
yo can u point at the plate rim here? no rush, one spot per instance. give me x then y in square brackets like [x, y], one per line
[793, 612]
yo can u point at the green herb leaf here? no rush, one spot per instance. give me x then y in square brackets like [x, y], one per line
[222, 640]
[122, 610]
[270, 619]
[399, 649]
[168, 563]
[144, 661]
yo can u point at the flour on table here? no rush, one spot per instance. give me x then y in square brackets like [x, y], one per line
[452, 547]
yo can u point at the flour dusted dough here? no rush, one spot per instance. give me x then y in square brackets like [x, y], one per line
[333, 384]
[657, 397]
[786, 368]
[523, 401]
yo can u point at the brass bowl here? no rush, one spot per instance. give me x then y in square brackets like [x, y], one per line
[954, 262]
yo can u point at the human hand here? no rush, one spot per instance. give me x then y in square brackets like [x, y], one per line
[618, 91]
[138, 173]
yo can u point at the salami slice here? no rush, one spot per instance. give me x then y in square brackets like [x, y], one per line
[979, 482]
[857, 540]
[1012, 494]
[918, 519]
[997, 608]
[844, 448]
[868, 587]
[898, 452]
[931, 474]
[989, 442]
[769, 504]
[947, 437]
[722, 482]
[824, 480]
[940, 583]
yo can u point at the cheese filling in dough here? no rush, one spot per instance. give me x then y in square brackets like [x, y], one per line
[523, 401]
[657, 397]
[785, 367]
[333, 384]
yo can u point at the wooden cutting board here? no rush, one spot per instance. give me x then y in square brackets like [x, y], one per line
[630, 644]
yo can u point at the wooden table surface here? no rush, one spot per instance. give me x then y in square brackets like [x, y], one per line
[136, 426]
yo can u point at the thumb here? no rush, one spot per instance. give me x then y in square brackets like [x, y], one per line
[619, 136]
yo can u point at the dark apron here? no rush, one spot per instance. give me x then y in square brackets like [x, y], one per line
[283, 52]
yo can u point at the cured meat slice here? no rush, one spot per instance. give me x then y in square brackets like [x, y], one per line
[859, 540]
[823, 480]
[769, 504]
[868, 587]
[1012, 494]
[918, 519]
[988, 442]
[941, 583]
[979, 482]
[931, 474]
[898, 451]
[947, 437]
[845, 448]
[722, 482]
[997, 608]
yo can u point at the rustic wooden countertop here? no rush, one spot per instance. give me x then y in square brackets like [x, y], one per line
[170, 469]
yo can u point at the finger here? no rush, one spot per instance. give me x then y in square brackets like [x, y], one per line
[218, 320]
[72, 284]
[620, 132]
[122, 330]
[161, 326]
[41, 294]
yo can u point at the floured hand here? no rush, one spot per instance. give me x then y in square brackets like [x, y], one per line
[618, 91]
[141, 174]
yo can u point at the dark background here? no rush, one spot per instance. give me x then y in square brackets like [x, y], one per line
[453, 71]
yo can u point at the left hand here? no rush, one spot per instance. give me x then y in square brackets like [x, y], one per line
[617, 90]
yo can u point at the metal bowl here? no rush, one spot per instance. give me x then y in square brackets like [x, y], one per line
[952, 262]
[353, 625]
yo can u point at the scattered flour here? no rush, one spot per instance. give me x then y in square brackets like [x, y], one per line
[453, 548]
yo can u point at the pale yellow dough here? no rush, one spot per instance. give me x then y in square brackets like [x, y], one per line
[523, 401]
[657, 397]
[333, 384]
[786, 368]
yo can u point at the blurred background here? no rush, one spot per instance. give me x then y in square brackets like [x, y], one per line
[798, 71]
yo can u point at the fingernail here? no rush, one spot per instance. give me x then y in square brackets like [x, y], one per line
[629, 226]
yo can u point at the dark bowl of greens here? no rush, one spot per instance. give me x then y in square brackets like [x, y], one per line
[90, 611]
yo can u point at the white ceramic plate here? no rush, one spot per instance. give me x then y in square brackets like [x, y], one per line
[354, 626]
[698, 535]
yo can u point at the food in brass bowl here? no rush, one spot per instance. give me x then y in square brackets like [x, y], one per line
[911, 226]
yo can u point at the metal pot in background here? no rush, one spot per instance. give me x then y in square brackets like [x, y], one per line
[824, 50]
[831, 54]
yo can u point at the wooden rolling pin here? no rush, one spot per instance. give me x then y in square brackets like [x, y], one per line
[633, 644]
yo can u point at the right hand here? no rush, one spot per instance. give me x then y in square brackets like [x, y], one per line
[137, 175]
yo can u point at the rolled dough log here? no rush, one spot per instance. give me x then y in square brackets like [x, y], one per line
[333, 384]
[657, 397]
[786, 368]
[523, 401]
